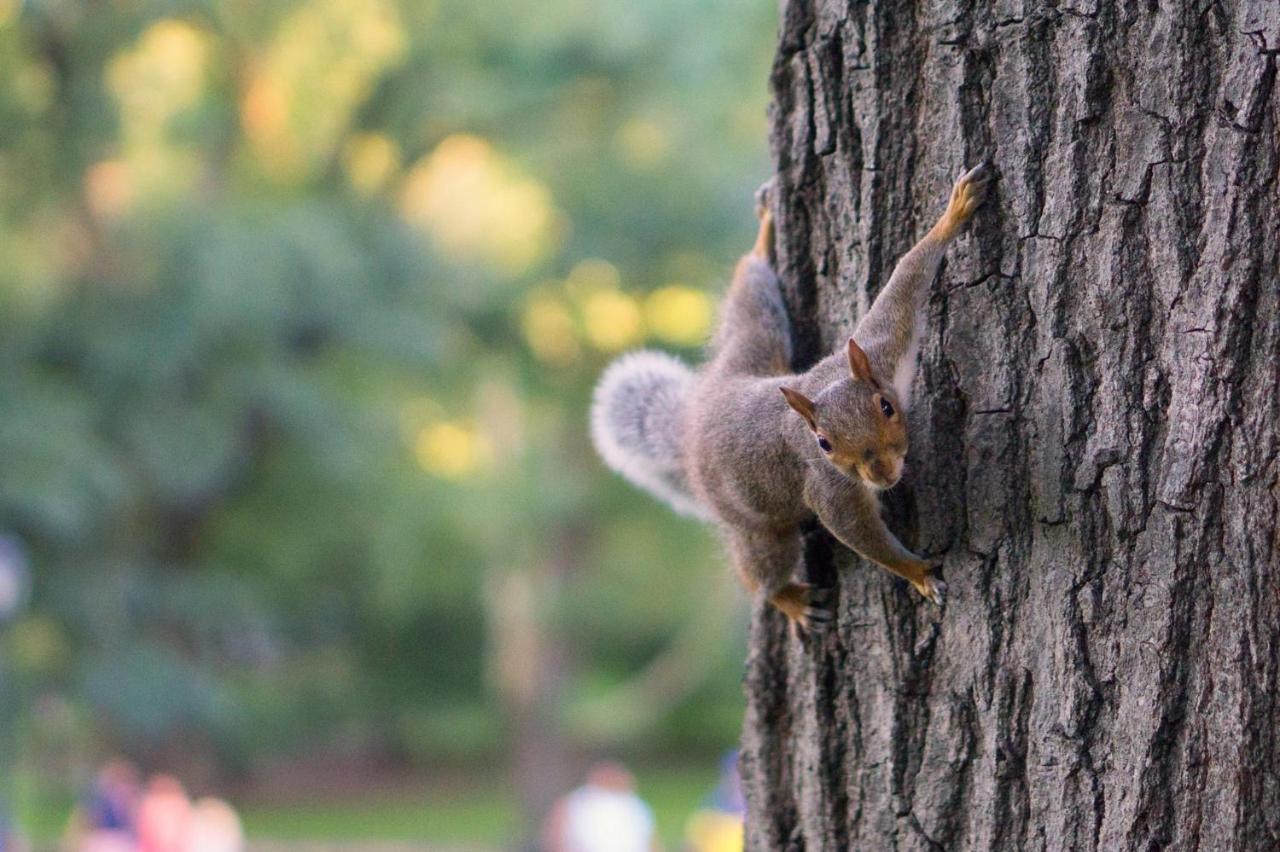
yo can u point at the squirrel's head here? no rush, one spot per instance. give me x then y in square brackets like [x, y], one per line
[857, 423]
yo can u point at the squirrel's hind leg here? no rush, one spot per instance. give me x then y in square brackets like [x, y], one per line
[754, 333]
[766, 562]
[763, 247]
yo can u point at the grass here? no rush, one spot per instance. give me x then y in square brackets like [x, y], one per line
[477, 815]
[673, 793]
[482, 814]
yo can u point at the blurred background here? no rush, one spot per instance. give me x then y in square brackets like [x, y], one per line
[301, 303]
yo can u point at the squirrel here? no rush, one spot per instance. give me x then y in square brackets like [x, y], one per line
[745, 443]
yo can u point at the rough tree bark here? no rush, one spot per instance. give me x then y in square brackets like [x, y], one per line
[1094, 437]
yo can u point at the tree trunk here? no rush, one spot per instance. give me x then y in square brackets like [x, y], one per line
[1093, 443]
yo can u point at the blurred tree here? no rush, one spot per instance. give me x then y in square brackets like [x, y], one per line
[300, 306]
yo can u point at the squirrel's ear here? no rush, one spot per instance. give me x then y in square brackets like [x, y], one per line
[802, 404]
[858, 363]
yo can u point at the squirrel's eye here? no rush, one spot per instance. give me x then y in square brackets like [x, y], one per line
[886, 407]
[824, 444]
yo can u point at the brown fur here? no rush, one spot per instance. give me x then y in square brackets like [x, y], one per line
[758, 467]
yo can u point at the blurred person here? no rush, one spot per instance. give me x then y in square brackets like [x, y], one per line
[164, 816]
[603, 815]
[214, 827]
[717, 825]
[106, 841]
[113, 798]
[104, 820]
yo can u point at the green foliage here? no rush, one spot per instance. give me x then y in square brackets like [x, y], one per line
[273, 412]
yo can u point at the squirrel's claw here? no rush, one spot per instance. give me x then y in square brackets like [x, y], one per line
[818, 615]
[816, 622]
[809, 608]
[937, 593]
[980, 173]
[931, 588]
[764, 197]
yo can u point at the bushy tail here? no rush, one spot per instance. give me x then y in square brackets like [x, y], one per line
[636, 419]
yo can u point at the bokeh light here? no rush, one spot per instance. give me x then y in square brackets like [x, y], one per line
[452, 449]
[613, 321]
[678, 314]
[478, 207]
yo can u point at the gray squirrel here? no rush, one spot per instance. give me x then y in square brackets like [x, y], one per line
[724, 444]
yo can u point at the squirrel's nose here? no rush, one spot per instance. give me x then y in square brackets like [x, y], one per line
[887, 472]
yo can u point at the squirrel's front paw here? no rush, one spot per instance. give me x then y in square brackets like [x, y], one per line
[970, 191]
[933, 589]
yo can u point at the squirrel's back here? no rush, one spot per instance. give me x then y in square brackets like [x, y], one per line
[637, 419]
